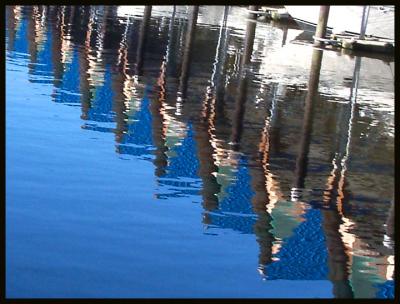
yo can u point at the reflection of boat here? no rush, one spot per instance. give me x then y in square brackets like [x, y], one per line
[347, 18]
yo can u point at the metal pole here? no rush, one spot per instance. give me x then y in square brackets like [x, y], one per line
[364, 21]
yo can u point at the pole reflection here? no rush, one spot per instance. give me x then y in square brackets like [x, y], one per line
[158, 108]
[237, 124]
[189, 39]
[13, 13]
[142, 39]
[84, 64]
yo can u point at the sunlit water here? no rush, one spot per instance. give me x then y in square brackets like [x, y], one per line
[118, 184]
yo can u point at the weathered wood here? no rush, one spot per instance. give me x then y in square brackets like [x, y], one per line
[320, 31]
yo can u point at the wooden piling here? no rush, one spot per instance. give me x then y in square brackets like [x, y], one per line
[320, 31]
[253, 8]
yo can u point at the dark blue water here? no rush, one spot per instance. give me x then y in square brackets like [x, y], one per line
[119, 183]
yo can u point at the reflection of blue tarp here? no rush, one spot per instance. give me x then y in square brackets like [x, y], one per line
[303, 256]
[44, 66]
[139, 132]
[185, 163]
[70, 91]
[238, 200]
[21, 41]
[385, 290]
[101, 105]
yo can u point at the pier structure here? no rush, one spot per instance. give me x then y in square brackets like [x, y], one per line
[320, 31]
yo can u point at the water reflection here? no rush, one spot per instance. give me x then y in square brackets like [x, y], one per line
[258, 152]
[187, 53]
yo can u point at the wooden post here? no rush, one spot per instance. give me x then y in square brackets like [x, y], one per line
[142, 39]
[320, 31]
[253, 8]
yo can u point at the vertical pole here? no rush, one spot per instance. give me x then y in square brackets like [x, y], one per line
[142, 39]
[188, 51]
[170, 56]
[84, 65]
[253, 16]
[11, 26]
[159, 128]
[338, 259]
[284, 37]
[220, 84]
[250, 34]
[390, 221]
[320, 31]
[30, 36]
[237, 124]
[56, 44]
[207, 167]
[364, 21]
[157, 108]
[302, 160]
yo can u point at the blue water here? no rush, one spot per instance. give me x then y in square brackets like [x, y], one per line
[92, 210]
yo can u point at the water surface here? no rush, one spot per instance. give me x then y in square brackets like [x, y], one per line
[135, 170]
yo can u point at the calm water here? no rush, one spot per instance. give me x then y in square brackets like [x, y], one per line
[136, 170]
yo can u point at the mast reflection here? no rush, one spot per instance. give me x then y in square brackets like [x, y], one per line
[13, 13]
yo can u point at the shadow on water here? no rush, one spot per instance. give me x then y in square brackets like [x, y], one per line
[267, 158]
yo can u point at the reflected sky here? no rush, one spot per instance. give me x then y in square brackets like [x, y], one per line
[150, 153]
